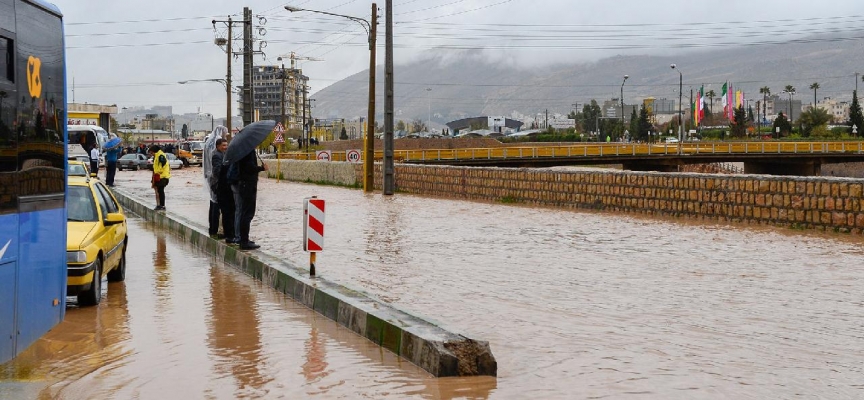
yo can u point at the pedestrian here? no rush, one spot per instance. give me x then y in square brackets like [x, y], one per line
[94, 160]
[212, 179]
[111, 164]
[161, 174]
[224, 195]
[244, 177]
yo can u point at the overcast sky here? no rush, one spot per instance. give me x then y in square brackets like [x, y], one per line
[133, 53]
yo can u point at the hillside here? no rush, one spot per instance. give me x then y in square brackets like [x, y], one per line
[472, 86]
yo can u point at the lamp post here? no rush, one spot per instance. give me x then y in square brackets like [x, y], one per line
[429, 119]
[227, 86]
[680, 123]
[370, 28]
[622, 100]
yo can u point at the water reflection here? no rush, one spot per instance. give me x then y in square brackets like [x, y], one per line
[234, 335]
[89, 343]
[315, 367]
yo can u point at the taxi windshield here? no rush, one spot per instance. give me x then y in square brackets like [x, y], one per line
[80, 204]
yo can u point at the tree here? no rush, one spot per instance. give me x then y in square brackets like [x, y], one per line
[344, 134]
[813, 118]
[856, 118]
[710, 95]
[417, 125]
[184, 133]
[782, 123]
[590, 113]
[738, 126]
[644, 124]
[634, 125]
[750, 118]
[814, 86]
[400, 125]
[765, 91]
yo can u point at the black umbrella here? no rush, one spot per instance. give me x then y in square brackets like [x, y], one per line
[247, 139]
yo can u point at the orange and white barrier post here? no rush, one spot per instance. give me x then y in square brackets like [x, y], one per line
[313, 228]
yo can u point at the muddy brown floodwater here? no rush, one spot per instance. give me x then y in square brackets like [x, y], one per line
[574, 305]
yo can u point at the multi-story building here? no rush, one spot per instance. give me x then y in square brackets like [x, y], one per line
[780, 103]
[277, 88]
[839, 110]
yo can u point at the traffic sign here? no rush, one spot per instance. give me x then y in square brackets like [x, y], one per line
[352, 155]
[279, 139]
[323, 155]
[313, 223]
[279, 127]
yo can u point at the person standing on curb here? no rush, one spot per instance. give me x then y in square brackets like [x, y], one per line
[94, 160]
[245, 187]
[224, 195]
[161, 174]
[111, 164]
[212, 178]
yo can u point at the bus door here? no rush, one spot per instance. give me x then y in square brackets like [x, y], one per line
[8, 183]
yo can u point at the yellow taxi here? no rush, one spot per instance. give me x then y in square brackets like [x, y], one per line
[78, 168]
[96, 239]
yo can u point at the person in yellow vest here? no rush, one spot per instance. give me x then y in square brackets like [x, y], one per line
[161, 174]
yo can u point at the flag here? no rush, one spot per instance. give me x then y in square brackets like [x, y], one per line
[702, 103]
[725, 99]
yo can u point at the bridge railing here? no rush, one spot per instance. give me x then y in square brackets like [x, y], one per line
[603, 150]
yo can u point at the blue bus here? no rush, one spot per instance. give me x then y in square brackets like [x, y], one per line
[32, 173]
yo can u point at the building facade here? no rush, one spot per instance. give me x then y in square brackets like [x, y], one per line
[277, 88]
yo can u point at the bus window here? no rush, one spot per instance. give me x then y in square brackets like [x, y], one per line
[7, 67]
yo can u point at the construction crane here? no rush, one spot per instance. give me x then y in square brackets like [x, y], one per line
[296, 104]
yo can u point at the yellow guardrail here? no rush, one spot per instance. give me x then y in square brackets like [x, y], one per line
[602, 150]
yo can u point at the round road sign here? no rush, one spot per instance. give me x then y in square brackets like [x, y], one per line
[352, 156]
[323, 156]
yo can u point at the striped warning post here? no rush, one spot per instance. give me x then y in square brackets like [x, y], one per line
[313, 221]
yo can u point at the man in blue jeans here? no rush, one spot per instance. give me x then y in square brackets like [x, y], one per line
[244, 178]
[111, 164]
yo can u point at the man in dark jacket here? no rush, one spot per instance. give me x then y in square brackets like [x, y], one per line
[245, 188]
[224, 196]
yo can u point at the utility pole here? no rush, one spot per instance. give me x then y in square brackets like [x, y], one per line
[305, 124]
[389, 184]
[228, 82]
[369, 153]
[248, 95]
[547, 119]
[282, 97]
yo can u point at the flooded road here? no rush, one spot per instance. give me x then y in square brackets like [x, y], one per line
[574, 304]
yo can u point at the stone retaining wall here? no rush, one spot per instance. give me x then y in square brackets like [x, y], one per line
[823, 203]
[440, 352]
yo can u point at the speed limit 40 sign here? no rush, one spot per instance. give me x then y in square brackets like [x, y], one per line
[352, 155]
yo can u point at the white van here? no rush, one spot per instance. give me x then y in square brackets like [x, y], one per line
[81, 136]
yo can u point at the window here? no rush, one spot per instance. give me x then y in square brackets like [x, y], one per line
[7, 66]
[102, 203]
[107, 199]
[80, 204]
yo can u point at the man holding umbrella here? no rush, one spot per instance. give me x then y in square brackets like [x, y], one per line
[243, 175]
[112, 150]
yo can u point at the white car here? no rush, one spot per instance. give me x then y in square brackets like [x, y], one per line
[173, 162]
[671, 140]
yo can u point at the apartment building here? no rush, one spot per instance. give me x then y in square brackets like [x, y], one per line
[277, 87]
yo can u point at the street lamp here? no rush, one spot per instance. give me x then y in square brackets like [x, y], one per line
[227, 86]
[369, 153]
[791, 93]
[429, 120]
[622, 100]
[680, 123]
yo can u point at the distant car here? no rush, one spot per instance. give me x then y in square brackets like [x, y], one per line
[79, 168]
[671, 140]
[133, 161]
[173, 161]
[96, 239]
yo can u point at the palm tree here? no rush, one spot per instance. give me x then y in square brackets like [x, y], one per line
[791, 90]
[814, 86]
[711, 95]
[765, 91]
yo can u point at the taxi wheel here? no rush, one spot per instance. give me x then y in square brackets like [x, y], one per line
[118, 274]
[93, 296]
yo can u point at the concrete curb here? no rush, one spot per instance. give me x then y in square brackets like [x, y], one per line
[424, 344]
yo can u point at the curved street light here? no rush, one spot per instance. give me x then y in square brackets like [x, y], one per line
[680, 122]
[622, 101]
[369, 153]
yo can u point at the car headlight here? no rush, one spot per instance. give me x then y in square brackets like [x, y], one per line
[76, 256]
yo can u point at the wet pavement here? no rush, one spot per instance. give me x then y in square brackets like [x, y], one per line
[574, 305]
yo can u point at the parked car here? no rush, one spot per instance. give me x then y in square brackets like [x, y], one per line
[671, 139]
[96, 239]
[133, 161]
[78, 168]
[173, 161]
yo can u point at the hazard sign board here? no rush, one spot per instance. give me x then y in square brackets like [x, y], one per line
[279, 139]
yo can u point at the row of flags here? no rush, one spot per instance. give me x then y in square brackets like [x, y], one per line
[730, 99]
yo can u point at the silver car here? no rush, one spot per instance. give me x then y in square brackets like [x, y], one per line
[132, 161]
